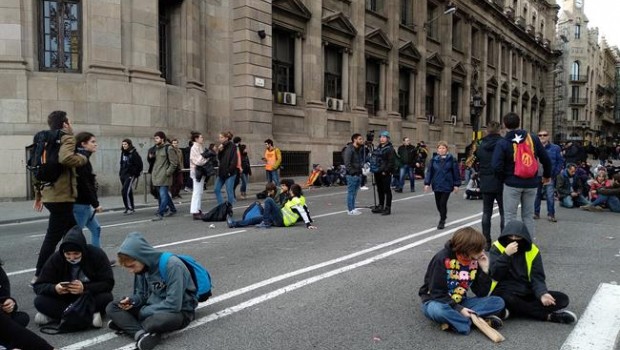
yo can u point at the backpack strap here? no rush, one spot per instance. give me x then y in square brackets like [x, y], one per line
[163, 265]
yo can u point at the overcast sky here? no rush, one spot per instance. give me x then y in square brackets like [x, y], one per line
[604, 15]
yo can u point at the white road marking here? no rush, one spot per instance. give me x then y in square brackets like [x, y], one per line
[90, 342]
[273, 294]
[599, 325]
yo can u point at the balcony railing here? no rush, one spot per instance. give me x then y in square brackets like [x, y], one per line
[578, 78]
[577, 101]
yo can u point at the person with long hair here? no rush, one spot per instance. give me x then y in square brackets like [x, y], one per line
[227, 171]
[129, 173]
[443, 177]
[196, 159]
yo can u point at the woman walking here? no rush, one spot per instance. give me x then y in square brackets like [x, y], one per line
[196, 159]
[443, 176]
[227, 171]
[131, 169]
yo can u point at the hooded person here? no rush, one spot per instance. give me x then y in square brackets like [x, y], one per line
[76, 268]
[157, 305]
[519, 278]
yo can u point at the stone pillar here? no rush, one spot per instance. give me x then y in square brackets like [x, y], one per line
[345, 76]
[382, 82]
[483, 77]
[467, 98]
[14, 91]
[140, 39]
[298, 65]
[313, 70]
[102, 37]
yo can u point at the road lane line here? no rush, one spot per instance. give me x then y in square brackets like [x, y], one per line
[599, 325]
[286, 289]
[90, 342]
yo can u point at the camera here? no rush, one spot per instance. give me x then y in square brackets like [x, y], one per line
[370, 136]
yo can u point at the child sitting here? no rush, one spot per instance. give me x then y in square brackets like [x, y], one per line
[473, 188]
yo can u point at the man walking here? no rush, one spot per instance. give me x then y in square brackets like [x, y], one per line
[164, 165]
[352, 157]
[519, 188]
[273, 159]
[491, 186]
[58, 198]
[557, 161]
[177, 176]
[408, 158]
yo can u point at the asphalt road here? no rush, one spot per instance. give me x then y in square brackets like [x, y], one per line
[351, 284]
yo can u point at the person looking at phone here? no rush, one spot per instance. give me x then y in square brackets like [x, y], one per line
[76, 268]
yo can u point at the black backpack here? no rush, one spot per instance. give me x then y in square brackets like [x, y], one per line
[43, 158]
[77, 316]
[218, 213]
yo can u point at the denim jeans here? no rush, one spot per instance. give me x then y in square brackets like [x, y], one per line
[513, 196]
[613, 202]
[444, 313]
[353, 185]
[272, 176]
[245, 178]
[84, 217]
[230, 189]
[572, 202]
[548, 191]
[272, 213]
[404, 170]
[165, 201]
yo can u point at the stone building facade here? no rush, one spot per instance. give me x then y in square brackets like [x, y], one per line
[306, 73]
[585, 80]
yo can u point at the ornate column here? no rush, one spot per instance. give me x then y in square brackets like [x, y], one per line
[412, 89]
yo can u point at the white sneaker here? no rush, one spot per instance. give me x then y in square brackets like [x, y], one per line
[354, 212]
[358, 211]
[364, 188]
[97, 321]
[42, 319]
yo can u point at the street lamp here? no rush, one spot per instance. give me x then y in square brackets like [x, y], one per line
[450, 9]
[476, 106]
[584, 126]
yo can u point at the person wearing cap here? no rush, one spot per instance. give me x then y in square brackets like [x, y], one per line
[76, 268]
[385, 151]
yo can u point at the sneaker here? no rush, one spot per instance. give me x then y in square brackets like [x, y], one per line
[563, 316]
[398, 190]
[187, 189]
[148, 341]
[129, 212]
[364, 188]
[377, 210]
[357, 210]
[42, 319]
[97, 321]
[494, 321]
[33, 281]
[552, 218]
[171, 213]
[597, 208]
[157, 218]
[230, 221]
[125, 212]
[504, 314]
[536, 216]
[114, 327]
[263, 225]
[354, 212]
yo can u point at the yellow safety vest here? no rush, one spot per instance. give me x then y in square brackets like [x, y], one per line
[529, 259]
[289, 217]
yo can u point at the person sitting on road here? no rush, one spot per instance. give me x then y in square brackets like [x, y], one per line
[76, 268]
[459, 266]
[473, 188]
[157, 306]
[609, 196]
[570, 188]
[519, 278]
[13, 331]
[600, 181]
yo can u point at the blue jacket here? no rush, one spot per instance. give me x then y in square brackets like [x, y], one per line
[504, 164]
[557, 161]
[151, 294]
[442, 174]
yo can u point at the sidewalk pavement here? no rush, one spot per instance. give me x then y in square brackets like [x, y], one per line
[21, 211]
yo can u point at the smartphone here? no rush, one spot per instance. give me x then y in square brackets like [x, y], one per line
[65, 284]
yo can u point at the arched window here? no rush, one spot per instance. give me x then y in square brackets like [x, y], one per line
[575, 71]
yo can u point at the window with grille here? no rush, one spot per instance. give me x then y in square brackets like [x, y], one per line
[406, 13]
[165, 40]
[429, 101]
[333, 72]
[372, 86]
[456, 33]
[295, 163]
[60, 46]
[491, 52]
[403, 92]
[577, 31]
[432, 20]
[283, 61]
[374, 5]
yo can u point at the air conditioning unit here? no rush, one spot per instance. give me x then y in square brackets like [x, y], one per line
[453, 120]
[334, 104]
[287, 98]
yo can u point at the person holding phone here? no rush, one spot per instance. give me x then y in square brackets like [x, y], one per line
[76, 268]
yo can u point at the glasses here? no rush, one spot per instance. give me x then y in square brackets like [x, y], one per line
[543, 135]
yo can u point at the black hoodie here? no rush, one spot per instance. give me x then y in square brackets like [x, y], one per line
[447, 282]
[489, 182]
[511, 271]
[95, 271]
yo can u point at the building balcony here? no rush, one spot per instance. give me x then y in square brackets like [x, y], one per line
[578, 78]
[578, 101]
[529, 29]
[520, 21]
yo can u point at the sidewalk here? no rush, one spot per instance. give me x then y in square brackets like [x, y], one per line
[21, 211]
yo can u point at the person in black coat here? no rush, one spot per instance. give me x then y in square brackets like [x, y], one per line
[13, 331]
[76, 268]
[383, 176]
[227, 171]
[129, 173]
[491, 185]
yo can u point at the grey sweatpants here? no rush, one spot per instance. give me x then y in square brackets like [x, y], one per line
[160, 322]
[513, 196]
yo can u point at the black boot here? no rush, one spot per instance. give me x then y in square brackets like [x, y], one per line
[387, 211]
[378, 209]
[441, 224]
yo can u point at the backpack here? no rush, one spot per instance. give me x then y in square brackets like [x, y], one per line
[43, 159]
[77, 316]
[526, 165]
[218, 213]
[199, 274]
[254, 210]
